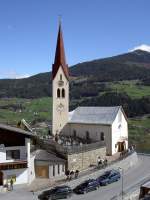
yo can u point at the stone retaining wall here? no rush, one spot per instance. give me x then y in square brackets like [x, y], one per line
[125, 164]
[84, 159]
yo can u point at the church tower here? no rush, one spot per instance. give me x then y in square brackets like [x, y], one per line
[60, 87]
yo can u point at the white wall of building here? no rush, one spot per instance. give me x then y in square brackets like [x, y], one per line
[60, 116]
[26, 175]
[23, 153]
[94, 130]
[113, 133]
[61, 172]
[52, 167]
[119, 130]
[20, 174]
[31, 169]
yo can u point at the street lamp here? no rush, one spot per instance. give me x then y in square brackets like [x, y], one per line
[122, 173]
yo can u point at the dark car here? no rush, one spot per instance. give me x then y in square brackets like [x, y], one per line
[87, 186]
[109, 177]
[59, 192]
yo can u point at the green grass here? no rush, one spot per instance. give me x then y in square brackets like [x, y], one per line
[139, 129]
[32, 110]
[131, 88]
[139, 133]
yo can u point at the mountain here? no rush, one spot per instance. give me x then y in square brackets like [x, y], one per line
[129, 66]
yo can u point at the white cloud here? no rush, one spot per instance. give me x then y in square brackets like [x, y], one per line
[143, 47]
[12, 74]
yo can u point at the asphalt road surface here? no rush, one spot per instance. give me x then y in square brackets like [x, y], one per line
[131, 177]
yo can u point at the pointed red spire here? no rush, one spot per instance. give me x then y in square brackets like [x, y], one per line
[60, 59]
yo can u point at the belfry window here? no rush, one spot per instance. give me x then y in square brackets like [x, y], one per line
[63, 93]
[58, 93]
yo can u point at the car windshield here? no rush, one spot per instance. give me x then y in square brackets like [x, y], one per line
[103, 176]
[84, 184]
[49, 191]
[107, 173]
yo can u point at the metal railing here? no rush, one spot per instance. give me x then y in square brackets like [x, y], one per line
[80, 148]
[52, 145]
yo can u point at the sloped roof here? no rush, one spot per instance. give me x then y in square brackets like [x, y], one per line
[16, 130]
[43, 155]
[94, 115]
[60, 59]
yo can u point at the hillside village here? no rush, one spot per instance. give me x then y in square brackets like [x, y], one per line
[77, 144]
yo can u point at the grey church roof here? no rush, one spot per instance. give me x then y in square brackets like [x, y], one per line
[94, 115]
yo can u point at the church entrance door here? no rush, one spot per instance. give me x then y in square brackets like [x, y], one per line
[121, 146]
[1, 178]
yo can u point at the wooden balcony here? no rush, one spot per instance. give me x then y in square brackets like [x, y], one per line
[21, 164]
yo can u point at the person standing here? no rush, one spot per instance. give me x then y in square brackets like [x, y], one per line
[11, 184]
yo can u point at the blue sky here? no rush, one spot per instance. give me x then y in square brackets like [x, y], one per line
[92, 29]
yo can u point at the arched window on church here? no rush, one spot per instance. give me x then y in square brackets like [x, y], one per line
[58, 93]
[61, 77]
[74, 134]
[87, 135]
[63, 93]
[102, 136]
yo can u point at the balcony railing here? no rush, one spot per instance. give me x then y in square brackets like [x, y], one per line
[13, 165]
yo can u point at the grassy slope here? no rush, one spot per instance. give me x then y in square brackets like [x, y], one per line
[139, 133]
[131, 88]
[36, 109]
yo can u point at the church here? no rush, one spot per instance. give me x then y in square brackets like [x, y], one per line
[107, 125]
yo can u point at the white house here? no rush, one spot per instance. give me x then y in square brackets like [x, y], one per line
[105, 124]
[16, 161]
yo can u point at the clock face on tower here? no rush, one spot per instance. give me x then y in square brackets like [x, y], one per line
[60, 107]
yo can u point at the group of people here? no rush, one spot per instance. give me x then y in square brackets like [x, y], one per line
[72, 174]
[102, 162]
[10, 184]
[127, 152]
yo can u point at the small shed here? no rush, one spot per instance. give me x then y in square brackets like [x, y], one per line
[49, 165]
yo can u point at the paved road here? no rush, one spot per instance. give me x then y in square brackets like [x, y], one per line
[131, 177]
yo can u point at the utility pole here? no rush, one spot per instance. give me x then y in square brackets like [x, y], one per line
[121, 169]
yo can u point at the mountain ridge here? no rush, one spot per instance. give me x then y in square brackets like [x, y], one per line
[128, 66]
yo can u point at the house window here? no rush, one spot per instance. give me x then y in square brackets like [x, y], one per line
[102, 136]
[58, 93]
[53, 170]
[63, 168]
[63, 93]
[74, 133]
[87, 135]
[13, 154]
[58, 169]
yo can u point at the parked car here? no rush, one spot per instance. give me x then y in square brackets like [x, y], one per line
[109, 177]
[59, 192]
[87, 186]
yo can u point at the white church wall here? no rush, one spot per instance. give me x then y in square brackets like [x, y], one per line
[60, 116]
[94, 130]
[119, 130]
